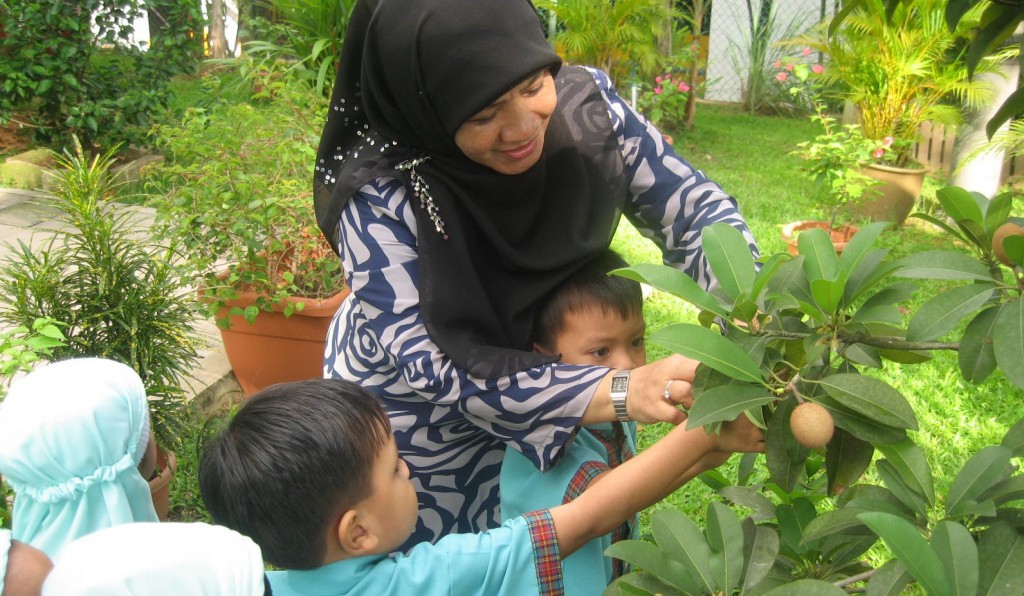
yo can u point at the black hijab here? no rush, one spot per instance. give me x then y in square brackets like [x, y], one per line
[491, 246]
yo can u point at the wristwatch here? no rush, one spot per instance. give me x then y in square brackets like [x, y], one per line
[620, 386]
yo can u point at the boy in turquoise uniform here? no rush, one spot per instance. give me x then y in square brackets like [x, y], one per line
[591, 319]
[310, 472]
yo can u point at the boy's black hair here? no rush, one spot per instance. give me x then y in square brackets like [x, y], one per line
[590, 287]
[293, 458]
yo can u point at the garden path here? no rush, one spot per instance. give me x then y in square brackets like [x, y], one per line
[24, 216]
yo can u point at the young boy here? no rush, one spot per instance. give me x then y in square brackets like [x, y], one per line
[310, 471]
[591, 319]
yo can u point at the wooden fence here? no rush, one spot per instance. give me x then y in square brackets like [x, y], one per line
[935, 150]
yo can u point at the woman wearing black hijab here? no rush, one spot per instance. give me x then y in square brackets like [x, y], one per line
[463, 173]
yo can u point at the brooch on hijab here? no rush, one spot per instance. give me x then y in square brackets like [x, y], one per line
[421, 190]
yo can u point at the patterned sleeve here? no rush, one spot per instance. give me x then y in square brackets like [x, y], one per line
[534, 411]
[671, 202]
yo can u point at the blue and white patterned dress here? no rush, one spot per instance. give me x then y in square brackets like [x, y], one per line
[451, 427]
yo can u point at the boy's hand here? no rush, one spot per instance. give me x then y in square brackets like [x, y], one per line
[739, 436]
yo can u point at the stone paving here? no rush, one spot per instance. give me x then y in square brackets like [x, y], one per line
[24, 216]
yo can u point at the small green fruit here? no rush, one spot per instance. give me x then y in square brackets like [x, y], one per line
[812, 425]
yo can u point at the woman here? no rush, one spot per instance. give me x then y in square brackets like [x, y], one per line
[463, 173]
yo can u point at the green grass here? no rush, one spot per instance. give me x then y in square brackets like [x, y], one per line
[749, 157]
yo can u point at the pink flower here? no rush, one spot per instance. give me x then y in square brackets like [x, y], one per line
[817, 68]
[878, 153]
[781, 76]
[789, 67]
[807, 51]
[683, 87]
[887, 142]
[657, 79]
[777, 64]
[657, 90]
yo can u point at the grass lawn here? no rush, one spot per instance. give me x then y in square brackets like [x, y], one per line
[749, 157]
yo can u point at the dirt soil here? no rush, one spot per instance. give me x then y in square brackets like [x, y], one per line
[13, 139]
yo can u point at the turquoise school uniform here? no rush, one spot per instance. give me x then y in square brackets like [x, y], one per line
[518, 558]
[524, 488]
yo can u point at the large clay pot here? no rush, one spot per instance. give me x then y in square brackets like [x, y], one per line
[160, 485]
[893, 198]
[840, 234]
[275, 348]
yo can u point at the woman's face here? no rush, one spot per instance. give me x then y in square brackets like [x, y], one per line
[508, 135]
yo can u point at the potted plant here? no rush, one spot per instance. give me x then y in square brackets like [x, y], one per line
[235, 192]
[834, 159]
[897, 74]
[118, 294]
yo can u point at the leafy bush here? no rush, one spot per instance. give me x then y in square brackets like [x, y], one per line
[70, 71]
[235, 192]
[808, 330]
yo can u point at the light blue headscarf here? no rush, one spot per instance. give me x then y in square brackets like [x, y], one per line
[167, 559]
[70, 443]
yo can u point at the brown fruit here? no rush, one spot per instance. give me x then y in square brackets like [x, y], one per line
[1002, 232]
[812, 425]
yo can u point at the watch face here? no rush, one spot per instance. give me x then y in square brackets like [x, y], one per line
[619, 384]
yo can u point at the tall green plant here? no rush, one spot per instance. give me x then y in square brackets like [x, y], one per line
[617, 37]
[120, 295]
[899, 73]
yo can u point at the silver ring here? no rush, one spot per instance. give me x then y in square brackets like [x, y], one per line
[666, 394]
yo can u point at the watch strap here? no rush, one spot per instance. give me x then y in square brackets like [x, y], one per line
[619, 390]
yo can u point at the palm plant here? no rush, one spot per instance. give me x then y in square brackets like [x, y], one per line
[613, 36]
[898, 73]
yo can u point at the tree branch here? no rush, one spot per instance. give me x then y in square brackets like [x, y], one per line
[887, 342]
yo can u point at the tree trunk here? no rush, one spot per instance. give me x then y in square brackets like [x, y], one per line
[218, 41]
[700, 9]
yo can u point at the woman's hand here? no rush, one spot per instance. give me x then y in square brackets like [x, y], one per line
[656, 391]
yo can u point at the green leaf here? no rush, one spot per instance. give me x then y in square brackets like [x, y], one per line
[639, 583]
[807, 587]
[912, 466]
[1013, 105]
[981, 471]
[675, 282]
[793, 521]
[942, 264]
[730, 258]
[828, 294]
[859, 425]
[890, 580]
[725, 403]
[906, 542]
[1004, 491]
[1001, 553]
[870, 271]
[859, 245]
[976, 356]
[744, 496]
[684, 543]
[872, 398]
[783, 455]
[760, 548]
[710, 348]
[955, 232]
[651, 558]
[1008, 341]
[725, 537]
[910, 498]
[943, 313]
[1013, 246]
[998, 210]
[846, 459]
[959, 204]
[1014, 438]
[820, 260]
[836, 521]
[958, 553]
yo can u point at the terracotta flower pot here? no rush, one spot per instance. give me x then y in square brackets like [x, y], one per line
[160, 485]
[840, 235]
[893, 198]
[277, 349]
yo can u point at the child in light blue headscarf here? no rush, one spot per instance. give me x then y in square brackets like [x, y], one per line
[165, 559]
[72, 437]
[22, 567]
